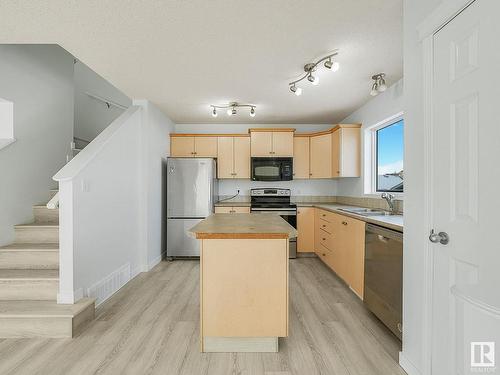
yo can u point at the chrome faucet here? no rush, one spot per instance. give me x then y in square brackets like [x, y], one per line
[390, 201]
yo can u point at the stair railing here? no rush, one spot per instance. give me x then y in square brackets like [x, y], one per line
[54, 202]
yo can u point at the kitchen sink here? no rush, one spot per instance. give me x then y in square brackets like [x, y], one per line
[366, 211]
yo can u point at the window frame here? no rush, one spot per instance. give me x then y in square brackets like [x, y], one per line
[371, 156]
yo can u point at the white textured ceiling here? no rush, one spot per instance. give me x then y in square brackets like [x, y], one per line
[186, 55]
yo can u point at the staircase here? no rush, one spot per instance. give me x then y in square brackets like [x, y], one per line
[29, 281]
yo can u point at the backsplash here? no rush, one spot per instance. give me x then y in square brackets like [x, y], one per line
[351, 201]
[370, 202]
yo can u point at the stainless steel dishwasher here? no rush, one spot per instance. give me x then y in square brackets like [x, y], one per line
[383, 292]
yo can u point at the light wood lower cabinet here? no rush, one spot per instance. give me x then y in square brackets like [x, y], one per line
[305, 229]
[232, 210]
[340, 242]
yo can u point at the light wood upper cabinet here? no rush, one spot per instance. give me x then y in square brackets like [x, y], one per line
[336, 153]
[321, 156]
[241, 157]
[301, 157]
[271, 143]
[349, 152]
[233, 157]
[261, 143]
[182, 146]
[225, 157]
[199, 146]
[283, 143]
[305, 229]
[205, 147]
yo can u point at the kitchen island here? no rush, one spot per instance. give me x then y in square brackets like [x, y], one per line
[244, 281]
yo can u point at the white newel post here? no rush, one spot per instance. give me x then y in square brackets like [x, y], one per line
[66, 293]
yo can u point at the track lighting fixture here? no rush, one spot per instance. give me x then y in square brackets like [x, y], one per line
[309, 68]
[232, 108]
[379, 84]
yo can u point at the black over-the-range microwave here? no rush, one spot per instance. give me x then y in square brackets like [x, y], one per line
[272, 169]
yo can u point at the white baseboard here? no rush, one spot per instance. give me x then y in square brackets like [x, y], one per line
[407, 365]
[109, 285]
[155, 261]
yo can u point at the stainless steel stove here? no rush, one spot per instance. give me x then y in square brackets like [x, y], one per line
[276, 201]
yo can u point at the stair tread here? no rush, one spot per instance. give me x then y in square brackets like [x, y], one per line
[45, 206]
[37, 225]
[18, 309]
[29, 274]
[31, 247]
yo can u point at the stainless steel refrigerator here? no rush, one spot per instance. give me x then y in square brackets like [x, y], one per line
[191, 194]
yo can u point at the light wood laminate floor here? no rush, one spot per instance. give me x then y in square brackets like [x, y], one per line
[152, 327]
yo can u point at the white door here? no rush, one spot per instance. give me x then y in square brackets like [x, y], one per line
[465, 191]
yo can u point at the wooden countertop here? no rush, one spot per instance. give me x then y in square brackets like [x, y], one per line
[243, 226]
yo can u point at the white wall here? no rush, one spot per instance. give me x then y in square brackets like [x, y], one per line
[156, 146]
[298, 187]
[93, 116]
[38, 79]
[377, 109]
[415, 235]
[111, 203]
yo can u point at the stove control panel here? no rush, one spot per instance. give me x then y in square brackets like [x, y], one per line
[270, 192]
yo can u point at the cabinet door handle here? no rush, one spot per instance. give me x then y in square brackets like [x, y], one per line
[324, 239]
[344, 222]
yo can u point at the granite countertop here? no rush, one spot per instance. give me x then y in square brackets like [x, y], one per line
[390, 221]
[243, 226]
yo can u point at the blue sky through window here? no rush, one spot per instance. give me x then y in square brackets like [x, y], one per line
[390, 151]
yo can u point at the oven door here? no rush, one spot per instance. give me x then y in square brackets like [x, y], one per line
[272, 169]
[290, 216]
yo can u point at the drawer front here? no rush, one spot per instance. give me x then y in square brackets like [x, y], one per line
[325, 255]
[324, 238]
[325, 215]
[325, 225]
[241, 209]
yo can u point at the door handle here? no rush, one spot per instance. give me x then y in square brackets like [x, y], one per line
[441, 237]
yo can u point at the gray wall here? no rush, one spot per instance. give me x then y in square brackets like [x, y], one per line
[38, 79]
[93, 116]
[377, 109]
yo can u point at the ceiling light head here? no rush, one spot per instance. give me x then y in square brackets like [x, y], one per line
[233, 111]
[335, 66]
[313, 79]
[214, 112]
[328, 63]
[378, 84]
[381, 85]
[296, 90]
[252, 112]
[229, 111]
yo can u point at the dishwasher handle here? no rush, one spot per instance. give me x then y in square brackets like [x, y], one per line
[384, 234]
